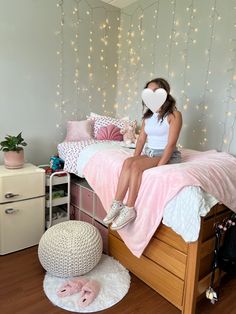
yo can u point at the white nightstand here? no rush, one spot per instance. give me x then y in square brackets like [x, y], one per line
[22, 207]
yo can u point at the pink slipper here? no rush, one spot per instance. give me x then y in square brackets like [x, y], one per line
[71, 287]
[89, 293]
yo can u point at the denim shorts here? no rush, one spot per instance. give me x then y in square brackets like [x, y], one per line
[152, 152]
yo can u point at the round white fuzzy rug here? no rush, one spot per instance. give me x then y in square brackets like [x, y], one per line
[114, 280]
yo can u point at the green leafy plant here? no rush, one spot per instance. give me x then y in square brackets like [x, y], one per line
[12, 143]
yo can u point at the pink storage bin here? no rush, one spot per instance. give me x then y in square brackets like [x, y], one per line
[72, 212]
[87, 200]
[100, 212]
[74, 194]
[77, 213]
[86, 218]
[104, 233]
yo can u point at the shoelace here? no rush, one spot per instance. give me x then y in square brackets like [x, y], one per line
[114, 208]
[123, 214]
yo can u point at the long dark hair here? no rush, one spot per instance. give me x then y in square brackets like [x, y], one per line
[169, 105]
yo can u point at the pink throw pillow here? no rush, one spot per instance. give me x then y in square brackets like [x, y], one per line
[79, 130]
[110, 132]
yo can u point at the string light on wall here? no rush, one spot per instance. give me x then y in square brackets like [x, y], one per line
[171, 36]
[155, 39]
[75, 45]
[214, 16]
[87, 93]
[230, 103]
[185, 54]
[60, 53]
[121, 71]
[191, 31]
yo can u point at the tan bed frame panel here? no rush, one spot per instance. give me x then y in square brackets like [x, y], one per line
[179, 271]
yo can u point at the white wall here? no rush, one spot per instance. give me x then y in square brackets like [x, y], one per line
[191, 43]
[30, 68]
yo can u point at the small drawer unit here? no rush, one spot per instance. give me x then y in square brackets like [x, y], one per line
[22, 207]
[87, 207]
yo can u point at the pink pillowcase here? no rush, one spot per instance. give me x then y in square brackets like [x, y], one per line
[79, 130]
[110, 132]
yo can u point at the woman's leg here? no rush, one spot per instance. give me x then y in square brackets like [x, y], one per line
[122, 188]
[128, 213]
[123, 182]
[136, 172]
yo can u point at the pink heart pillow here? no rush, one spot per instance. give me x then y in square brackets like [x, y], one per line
[110, 132]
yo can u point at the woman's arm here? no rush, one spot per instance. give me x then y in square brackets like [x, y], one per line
[141, 141]
[175, 127]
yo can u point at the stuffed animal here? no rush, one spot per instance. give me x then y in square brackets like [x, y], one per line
[128, 132]
[56, 163]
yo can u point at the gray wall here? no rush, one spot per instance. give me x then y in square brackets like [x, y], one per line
[48, 74]
[191, 43]
[39, 59]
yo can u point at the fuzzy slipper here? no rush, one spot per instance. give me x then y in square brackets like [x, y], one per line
[89, 293]
[71, 287]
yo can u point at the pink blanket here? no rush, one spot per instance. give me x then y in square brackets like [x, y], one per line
[214, 172]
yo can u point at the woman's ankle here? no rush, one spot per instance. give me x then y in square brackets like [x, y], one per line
[129, 206]
[117, 201]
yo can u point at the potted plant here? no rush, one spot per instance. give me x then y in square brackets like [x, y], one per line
[13, 150]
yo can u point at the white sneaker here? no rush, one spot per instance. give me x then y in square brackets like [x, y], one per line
[127, 214]
[114, 212]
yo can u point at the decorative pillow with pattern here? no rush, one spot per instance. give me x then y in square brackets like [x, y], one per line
[101, 121]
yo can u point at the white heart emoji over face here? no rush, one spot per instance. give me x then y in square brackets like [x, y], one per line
[154, 99]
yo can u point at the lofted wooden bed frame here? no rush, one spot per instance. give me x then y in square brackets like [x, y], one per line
[178, 271]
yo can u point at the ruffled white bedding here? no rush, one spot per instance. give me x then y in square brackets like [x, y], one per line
[183, 213]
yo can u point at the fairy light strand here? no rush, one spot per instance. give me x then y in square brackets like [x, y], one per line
[227, 137]
[60, 86]
[185, 55]
[203, 106]
[172, 33]
[75, 45]
[156, 36]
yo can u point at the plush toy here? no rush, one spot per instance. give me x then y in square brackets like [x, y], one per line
[128, 132]
[56, 163]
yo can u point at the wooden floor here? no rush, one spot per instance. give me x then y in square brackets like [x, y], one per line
[21, 292]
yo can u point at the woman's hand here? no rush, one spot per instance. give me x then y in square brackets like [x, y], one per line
[140, 141]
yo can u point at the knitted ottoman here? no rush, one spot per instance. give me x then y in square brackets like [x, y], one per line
[71, 248]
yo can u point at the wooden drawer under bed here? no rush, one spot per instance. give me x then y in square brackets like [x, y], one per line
[179, 271]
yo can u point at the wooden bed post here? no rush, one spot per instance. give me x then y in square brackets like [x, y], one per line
[191, 276]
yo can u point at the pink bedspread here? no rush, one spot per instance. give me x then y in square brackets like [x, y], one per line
[214, 172]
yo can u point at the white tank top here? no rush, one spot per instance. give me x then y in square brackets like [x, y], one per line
[157, 132]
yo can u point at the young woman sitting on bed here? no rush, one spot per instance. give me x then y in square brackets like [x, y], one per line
[161, 130]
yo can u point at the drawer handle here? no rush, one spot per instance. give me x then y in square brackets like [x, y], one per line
[11, 211]
[10, 195]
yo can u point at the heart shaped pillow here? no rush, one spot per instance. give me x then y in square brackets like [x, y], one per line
[154, 99]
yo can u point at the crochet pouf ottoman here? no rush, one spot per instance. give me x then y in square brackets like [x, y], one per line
[70, 248]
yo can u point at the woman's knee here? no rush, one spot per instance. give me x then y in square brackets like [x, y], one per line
[128, 162]
[136, 167]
